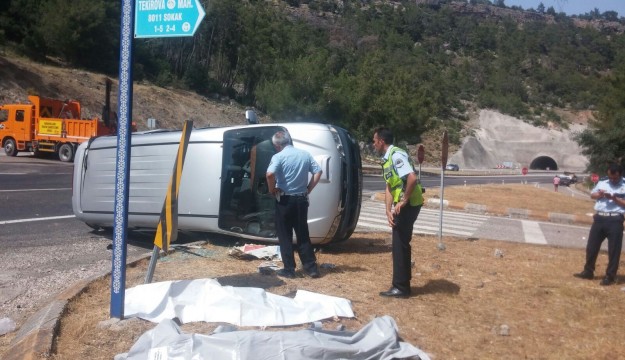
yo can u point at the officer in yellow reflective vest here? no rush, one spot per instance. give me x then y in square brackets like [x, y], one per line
[403, 199]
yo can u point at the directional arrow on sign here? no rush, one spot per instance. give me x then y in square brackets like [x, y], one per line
[167, 18]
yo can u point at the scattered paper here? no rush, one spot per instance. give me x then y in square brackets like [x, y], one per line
[252, 251]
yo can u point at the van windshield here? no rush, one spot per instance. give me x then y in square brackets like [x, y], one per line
[246, 206]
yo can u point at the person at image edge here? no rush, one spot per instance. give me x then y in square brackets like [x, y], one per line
[607, 223]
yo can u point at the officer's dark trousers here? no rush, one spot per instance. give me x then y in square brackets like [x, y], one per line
[402, 234]
[292, 214]
[610, 227]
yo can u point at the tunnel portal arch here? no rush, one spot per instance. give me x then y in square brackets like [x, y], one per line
[544, 163]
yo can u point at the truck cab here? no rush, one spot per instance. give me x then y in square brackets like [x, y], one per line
[16, 128]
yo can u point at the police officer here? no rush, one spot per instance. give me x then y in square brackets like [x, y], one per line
[287, 179]
[403, 199]
[607, 222]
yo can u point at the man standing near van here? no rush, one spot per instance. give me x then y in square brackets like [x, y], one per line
[403, 198]
[287, 179]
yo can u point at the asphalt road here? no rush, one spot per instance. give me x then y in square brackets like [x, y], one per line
[43, 248]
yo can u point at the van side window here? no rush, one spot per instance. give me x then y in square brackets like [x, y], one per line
[19, 115]
[4, 115]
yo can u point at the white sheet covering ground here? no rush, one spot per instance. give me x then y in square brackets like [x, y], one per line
[377, 340]
[206, 300]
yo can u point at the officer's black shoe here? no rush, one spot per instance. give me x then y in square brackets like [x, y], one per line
[314, 274]
[395, 292]
[585, 275]
[606, 281]
[289, 274]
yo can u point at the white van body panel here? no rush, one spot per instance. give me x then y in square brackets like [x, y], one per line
[204, 181]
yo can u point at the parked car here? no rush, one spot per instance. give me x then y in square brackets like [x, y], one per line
[223, 188]
[452, 167]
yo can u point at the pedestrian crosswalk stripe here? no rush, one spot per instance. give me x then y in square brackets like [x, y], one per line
[419, 228]
[376, 210]
[532, 232]
[373, 217]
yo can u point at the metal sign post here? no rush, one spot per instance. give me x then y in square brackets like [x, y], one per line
[122, 167]
[155, 19]
[420, 158]
[445, 149]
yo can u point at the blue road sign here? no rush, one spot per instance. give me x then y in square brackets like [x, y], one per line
[167, 18]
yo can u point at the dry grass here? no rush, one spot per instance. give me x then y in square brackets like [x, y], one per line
[499, 198]
[463, 296]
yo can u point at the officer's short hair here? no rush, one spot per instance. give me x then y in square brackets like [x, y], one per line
[281, 138]
[385, 134]
[615, 168]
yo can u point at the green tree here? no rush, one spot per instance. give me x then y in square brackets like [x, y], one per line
[604, 140]
[82, 32]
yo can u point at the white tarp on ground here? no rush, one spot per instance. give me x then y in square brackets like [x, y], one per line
[377, 340]
[206, 300]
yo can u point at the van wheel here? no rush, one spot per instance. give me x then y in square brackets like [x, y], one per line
[66, 153]
[10, 148]
[93, 226]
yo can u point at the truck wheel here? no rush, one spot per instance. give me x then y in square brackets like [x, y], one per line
[10, 148]
[66, 153]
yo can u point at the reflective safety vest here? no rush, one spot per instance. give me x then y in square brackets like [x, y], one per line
[396, 184]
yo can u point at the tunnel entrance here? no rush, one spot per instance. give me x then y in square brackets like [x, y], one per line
[544, 163]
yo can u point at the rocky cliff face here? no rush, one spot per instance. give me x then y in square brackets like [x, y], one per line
[501, 139]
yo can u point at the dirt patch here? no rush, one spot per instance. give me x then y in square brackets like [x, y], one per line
[498, 199]
[476, 300]
[170, 107]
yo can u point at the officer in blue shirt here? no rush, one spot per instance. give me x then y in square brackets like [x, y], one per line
[607, 222]
[287, 179]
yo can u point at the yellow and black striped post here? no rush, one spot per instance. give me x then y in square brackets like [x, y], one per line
[167, 230]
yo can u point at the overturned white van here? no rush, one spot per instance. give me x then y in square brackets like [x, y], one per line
[223, 186]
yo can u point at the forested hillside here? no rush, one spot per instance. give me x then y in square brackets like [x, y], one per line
[414, 66]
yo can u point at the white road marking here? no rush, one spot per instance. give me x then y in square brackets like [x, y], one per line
[372, 216]
[36, 219]
[532, 232]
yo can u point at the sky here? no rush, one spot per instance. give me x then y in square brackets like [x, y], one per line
[573, 7]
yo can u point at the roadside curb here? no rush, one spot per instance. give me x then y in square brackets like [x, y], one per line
[513, 213]
[36, 338]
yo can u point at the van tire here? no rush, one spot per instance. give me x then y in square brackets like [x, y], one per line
[94, 226]
[10, 148]
[66, 153]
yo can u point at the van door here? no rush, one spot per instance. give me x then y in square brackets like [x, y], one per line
[246, 206]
